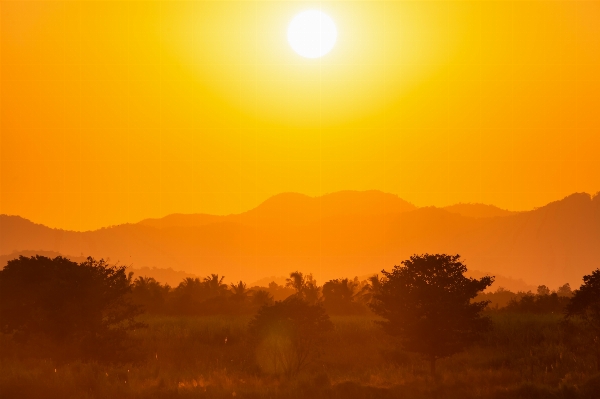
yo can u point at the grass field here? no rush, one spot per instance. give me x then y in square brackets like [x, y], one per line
[525, 356]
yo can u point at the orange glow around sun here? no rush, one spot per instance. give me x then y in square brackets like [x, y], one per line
[116, 111]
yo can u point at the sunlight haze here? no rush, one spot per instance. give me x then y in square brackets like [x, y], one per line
[113, 112]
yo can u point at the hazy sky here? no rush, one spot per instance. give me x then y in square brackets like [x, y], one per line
[115, 111]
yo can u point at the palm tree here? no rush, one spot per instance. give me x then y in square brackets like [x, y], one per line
[190, 284]
[373, 286]
[240, 292]
[215, 285]
[306, 286]
[296, 281]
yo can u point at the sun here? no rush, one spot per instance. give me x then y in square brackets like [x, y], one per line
[312, 34]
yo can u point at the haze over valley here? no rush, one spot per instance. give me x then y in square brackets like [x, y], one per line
[346, 233]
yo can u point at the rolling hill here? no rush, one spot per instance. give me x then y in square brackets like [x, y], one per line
[341, 234]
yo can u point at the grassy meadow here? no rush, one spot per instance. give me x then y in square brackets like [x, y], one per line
[524, 356]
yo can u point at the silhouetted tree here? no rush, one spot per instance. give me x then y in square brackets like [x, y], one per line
[499, 298]
[215, 286]
[339, 294]
[187, 297]
[83, 306]
[370, 288]
[543, 290]
[239, 292]
[540, 303]
[150, 294]
[279, 292]
[289, 334]
[427, 303]
[585, 304]
[565, 290]
[306, 287]
[262, 298]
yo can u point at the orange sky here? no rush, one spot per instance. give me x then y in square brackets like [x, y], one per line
[115, 111]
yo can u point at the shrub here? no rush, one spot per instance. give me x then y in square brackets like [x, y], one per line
[288, 335]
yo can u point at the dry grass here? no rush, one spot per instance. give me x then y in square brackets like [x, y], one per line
[525, 356]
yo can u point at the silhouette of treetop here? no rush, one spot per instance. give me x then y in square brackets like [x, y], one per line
[427, 302]
[585, 302]
[85, 305]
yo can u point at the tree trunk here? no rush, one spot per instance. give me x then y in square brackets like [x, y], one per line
[432, 364]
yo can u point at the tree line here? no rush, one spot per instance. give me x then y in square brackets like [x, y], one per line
[210, 295]
[542, 301]
[86, 310]
[342, 296]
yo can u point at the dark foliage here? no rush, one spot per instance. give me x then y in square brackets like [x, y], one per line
[427, 303]
[150, 294]
[202, 297]
[585, 304]
[210, 296]
[84, 309]
[305, 286]
[261, 298]
[288, 335]
[541, 303]
[340, 297]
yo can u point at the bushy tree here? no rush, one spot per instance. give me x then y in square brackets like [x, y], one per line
[85, 307]
[427, 302]
[543, 290]
[289, 334]
[585, 304]
[565, 291]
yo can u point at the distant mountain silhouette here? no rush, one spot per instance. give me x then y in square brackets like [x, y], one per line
[297, 210]
[478, 210]
[340, 234]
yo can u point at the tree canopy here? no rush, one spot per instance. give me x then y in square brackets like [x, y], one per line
[585, 304]
[427, 302]
[85, 306]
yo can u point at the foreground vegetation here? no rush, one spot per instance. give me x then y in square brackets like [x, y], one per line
[524, 356]
[77, 331]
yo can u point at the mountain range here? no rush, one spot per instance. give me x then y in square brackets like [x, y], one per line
[343, 234]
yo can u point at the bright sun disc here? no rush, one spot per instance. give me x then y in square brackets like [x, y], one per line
[312, 34]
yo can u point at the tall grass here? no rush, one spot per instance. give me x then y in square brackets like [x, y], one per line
[524, 356]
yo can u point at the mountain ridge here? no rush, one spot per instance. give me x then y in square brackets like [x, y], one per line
[550, 245]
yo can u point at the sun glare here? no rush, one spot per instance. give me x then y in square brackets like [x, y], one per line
[312, 34]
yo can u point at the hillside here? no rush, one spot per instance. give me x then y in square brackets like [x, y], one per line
[365, 233]
[297, 210]
[478, 210]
